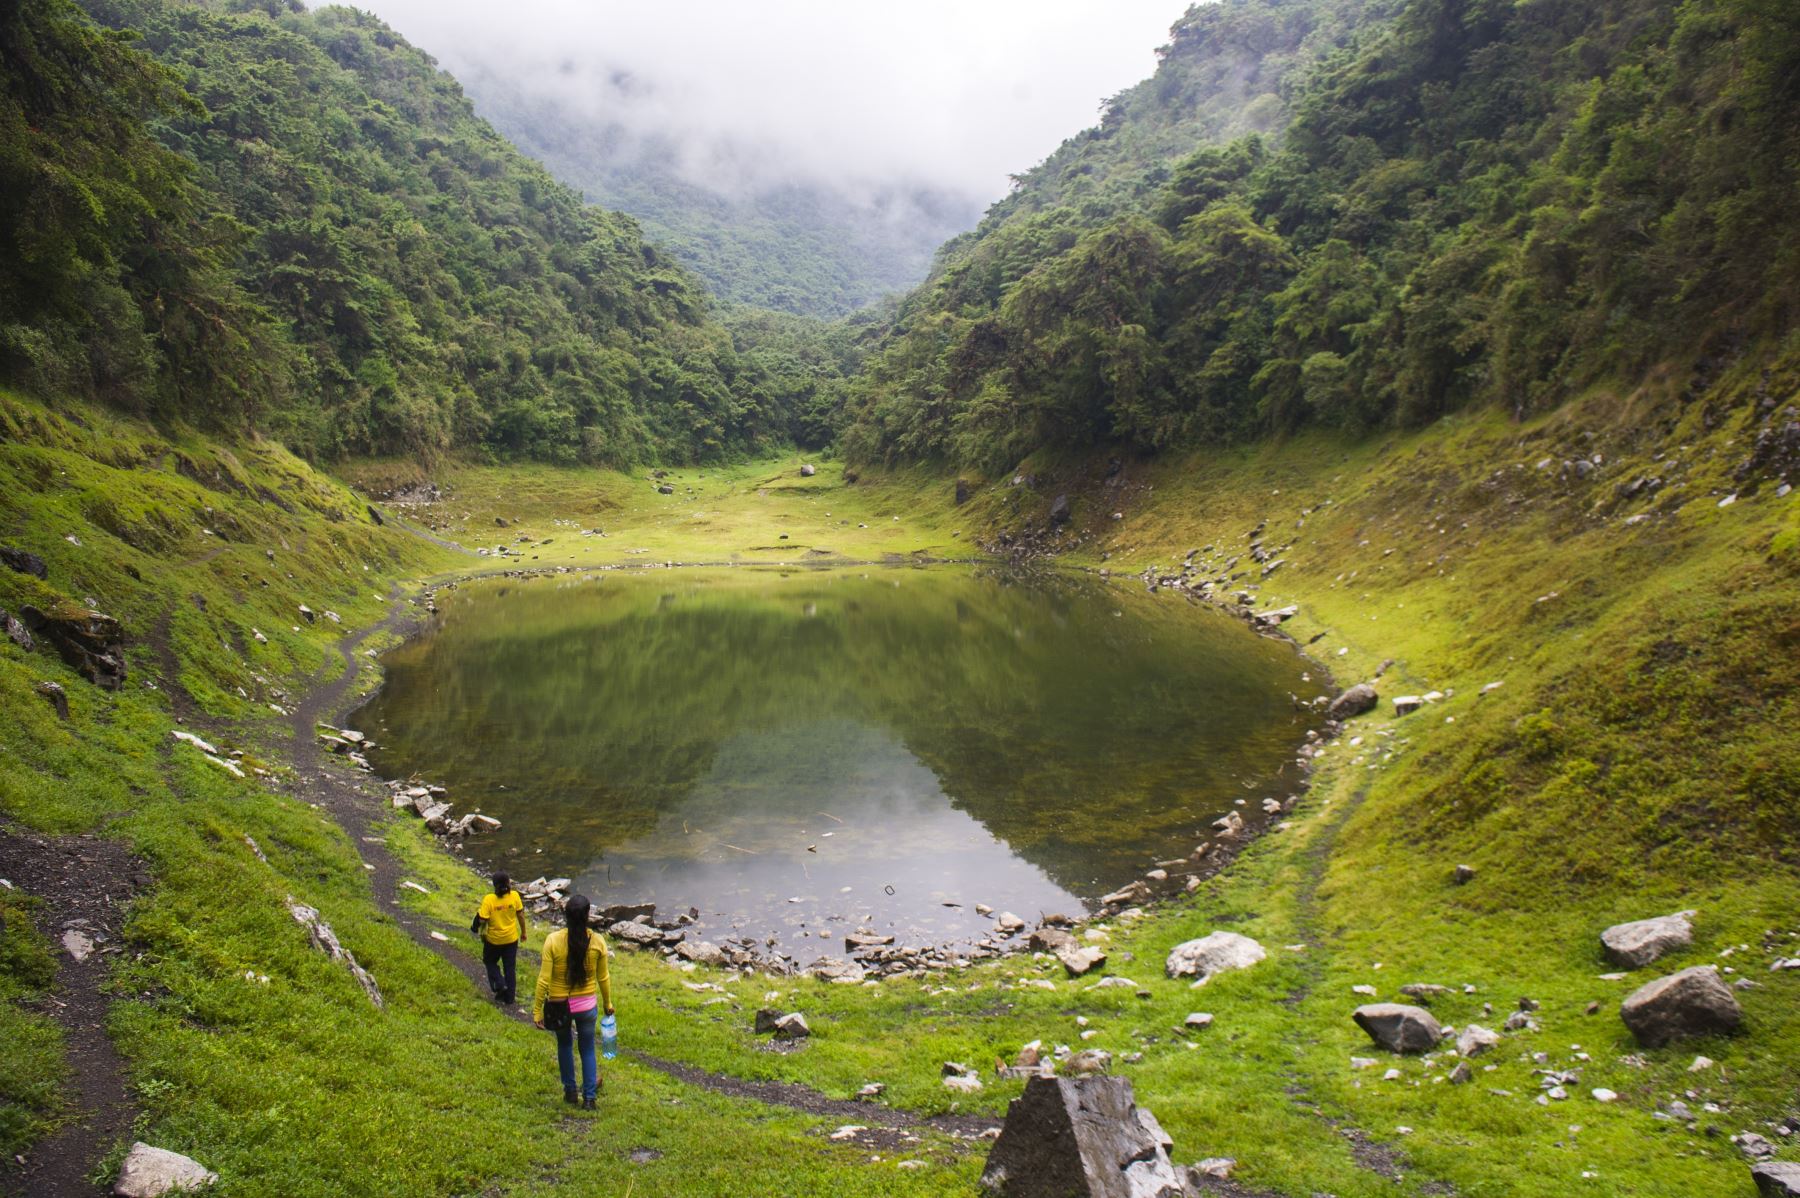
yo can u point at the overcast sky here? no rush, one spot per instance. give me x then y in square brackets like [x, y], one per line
[953, 93]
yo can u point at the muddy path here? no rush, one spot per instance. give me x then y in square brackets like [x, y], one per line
[84, 884]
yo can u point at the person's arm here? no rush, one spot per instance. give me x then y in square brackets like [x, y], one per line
[545, 966]
[605, 977]
[522, 931]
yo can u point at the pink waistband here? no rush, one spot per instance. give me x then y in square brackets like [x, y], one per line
[583, 1002]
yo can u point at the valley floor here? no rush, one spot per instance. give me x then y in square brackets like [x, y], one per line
[1606, 598]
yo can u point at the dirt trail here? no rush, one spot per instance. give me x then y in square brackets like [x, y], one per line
[1367, 1152]
[85, 884]
[356, 800]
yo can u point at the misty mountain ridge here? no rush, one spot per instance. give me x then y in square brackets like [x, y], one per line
[758, 230]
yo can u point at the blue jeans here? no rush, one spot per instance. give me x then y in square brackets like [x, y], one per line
[581, 1027]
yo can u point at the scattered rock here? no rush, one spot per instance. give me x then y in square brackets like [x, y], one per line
[700, 952]
[1211, 955]
[150, 1172]
[1089, 1062]
[90, 642]
[1353, 702]
[1136, 892]
[1397, 1027]
[1080, 1137]
[632, 932]
[791, 1026]
[1777, 1179]
[1464, 874]
[1476, 1040]
[1462, 1075]
[24, 562]
[665, 489]
[1218, 1168]
[1693, 1002]
[1008, 924]
[16, 632]
[962, 491]
[1197, 1020]
[1757, 1148]
[1602, 1094]
[1051, 940]
[1080, 960]
[1407, 704]
[1060, 510]
[56, 696]
[308, 614]
[326, 941]
[807, 470]
[1635, 945]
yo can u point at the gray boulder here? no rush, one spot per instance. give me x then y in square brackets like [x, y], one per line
[632, 932]
[1693, 1002]
[1777, 1179]
[791, 1026]
[151, 1172]
[808, 470]
[1353, 702]
[1212, 954]
[1060, 510]
[1476, 1040]
[1397, 1027]
[701, 952]
[1080, 1138]
[1635, 945]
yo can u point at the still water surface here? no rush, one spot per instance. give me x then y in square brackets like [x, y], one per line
[799, 753]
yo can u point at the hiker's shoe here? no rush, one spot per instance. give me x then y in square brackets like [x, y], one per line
[587, 1104]
[569, 1096]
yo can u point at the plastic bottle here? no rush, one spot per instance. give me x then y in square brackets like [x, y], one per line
[609, 1037]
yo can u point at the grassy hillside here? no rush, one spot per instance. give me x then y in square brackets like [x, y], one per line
[1635, 759]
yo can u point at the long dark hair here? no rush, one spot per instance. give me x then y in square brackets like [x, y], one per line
[575, 911]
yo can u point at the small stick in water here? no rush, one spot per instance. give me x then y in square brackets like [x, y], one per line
[828, 815]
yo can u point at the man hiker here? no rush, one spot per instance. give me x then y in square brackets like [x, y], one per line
[501, 922]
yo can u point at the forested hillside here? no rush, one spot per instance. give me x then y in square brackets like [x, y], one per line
[804, 247]
[293, 221]
[1472, 202]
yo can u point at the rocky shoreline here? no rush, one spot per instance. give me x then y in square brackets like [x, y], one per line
[869, 956]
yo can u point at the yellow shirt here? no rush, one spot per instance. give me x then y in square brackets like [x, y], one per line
[553, 974]
[502, 915]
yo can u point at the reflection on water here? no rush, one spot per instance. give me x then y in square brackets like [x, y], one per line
[801, 754]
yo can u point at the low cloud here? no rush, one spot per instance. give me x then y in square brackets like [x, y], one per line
[932, 94]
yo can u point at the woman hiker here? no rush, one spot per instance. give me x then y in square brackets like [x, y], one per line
[572, 974]
[501, 922]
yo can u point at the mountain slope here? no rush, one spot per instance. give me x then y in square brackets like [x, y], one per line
[332, 248]
[1472, 203]
[806, 248]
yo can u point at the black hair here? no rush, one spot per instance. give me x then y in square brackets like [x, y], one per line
[502, 883]
[575, 911]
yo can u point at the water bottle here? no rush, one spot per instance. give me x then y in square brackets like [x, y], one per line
[609, 1037]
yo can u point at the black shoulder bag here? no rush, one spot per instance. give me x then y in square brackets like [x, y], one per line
[556, 1014]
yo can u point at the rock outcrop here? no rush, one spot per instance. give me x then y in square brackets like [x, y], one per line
[1635, 945]
[1694, 1002]
[89, 641]
[1087, 1137]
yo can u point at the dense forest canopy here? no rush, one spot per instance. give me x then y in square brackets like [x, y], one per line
[1473, 201]
[1355, 213]
[264, 216]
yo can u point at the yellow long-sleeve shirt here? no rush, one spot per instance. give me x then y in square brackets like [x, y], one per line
[553, 974]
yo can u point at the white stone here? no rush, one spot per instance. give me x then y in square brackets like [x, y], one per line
[1211, 955]
[151, 1172]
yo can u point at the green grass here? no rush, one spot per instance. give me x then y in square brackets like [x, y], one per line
[1636, 759]
[31, 1084]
